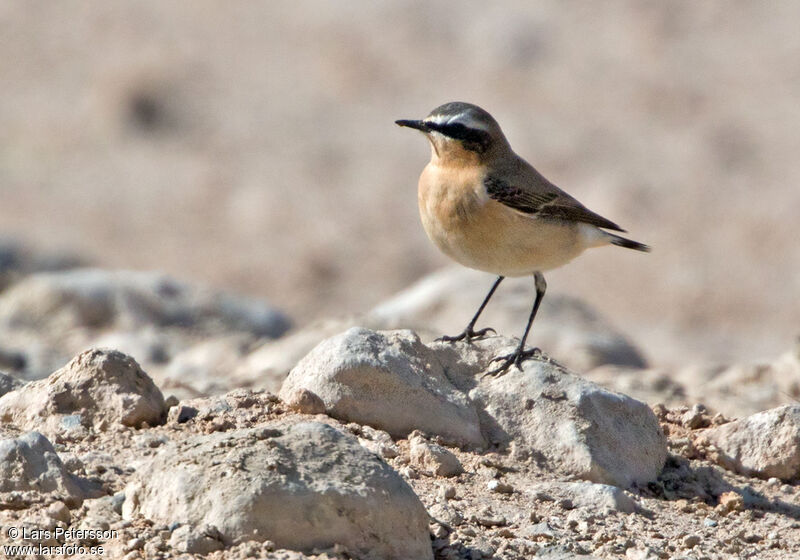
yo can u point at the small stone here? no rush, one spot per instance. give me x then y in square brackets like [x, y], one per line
[752, 538]
[730, 501]
[438, 531]
[708, 522]
[388, 451]
[434, 458]
[135, 543]
[718, 419]
[488, 520]
[447, 492]
[690, 541]
[408, 472]
[566, 503]
[304, 401]
[500, 487]
[660, 411]
[180, 414]
[695, 417]
[200, 540]
[506, 533]
[446, 514]
[58, 511]
[539, 531]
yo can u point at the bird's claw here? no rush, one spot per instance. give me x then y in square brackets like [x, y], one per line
[468, 334]
[516, 358]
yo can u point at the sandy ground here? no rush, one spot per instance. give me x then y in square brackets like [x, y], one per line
[251, 147]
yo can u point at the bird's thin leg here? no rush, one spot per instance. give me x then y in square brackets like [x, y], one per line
[520, 354]
[469, 332]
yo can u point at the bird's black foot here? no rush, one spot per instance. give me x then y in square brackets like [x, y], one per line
[467, 335]
[515, 358]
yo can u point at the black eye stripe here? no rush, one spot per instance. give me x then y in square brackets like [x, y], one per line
[460, 131]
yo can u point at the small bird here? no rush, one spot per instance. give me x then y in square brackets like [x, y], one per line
[488, 209]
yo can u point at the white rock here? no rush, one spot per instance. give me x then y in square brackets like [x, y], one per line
[566, 328]
[570, 425]
[96, 386]
[598, 498]
[389, 381]
[304, 402]
[766, 444]
[434, 459]
[29, 463]
[302, 486]
[393, 381]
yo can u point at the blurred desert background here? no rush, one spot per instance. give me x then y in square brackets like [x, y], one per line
[250, 147]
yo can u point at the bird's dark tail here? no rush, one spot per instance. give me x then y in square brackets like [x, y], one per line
[628, 243]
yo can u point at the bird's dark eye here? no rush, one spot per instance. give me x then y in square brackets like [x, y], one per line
[474, 139]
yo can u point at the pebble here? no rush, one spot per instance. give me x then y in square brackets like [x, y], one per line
[135, 543]
[690, 541]
[490, 520]
[439, 531]
[708, 522]
[408, 472]
[566, 503]
[447, 492]
[58, 511]
[730, 501]
[539, 531]
[500, 487]
[695, 417]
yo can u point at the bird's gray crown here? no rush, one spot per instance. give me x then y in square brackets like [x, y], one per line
[466, 114]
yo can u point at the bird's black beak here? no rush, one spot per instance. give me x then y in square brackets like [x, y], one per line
[418, 125]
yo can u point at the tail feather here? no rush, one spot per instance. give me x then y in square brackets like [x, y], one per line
[628, 243]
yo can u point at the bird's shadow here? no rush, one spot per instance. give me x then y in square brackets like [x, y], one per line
[681, 480]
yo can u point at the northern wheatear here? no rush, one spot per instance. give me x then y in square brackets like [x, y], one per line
[489, 209]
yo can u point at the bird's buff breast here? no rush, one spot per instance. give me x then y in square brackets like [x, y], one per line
[480, 233]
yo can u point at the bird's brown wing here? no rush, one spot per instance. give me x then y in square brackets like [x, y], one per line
[544, 201]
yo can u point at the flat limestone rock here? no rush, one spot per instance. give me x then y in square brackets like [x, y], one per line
[301, 486]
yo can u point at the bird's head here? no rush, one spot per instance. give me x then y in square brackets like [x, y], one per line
[461, 132]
